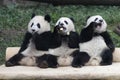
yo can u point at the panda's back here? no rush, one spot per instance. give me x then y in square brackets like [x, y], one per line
[93, 47]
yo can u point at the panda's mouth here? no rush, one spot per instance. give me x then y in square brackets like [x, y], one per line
[99, 24]
[60, 28]
[34, 32]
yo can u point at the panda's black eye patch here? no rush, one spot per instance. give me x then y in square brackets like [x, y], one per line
[66, 22]
[96, 19]
[32, 24]
[38, 25]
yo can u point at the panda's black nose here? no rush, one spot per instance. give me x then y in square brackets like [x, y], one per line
[33, 30]
[61, 24]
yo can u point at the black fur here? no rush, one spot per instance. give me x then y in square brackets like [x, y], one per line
[56, 39]
[52, 61]
[107, 57]
[87, 18]
[14, 61]
[73, 40]
[16, 58]
[47, 18]
[45, 41]
[72, 19]
[108, 40]
[41, 61]
[42, 40]
[79, 58]
[46, 61]
[87, 33]
[33, 15]
[26, 41]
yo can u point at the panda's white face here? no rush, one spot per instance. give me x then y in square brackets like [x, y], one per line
[65, 25]
[101, 23]
[38, 24]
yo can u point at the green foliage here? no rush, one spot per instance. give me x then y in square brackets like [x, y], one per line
[14, 20]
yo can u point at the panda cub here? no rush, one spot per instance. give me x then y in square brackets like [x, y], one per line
[27, 55]
[96, 46]
[68, 40]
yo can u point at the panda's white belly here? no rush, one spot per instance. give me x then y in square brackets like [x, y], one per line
[30, 55]
[32, 51]
[63, 53]
[94, 49]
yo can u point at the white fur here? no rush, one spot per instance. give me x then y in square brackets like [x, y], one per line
[63, 52]
[69, 27]
[44, 25]
[99, 29]
[94, 49]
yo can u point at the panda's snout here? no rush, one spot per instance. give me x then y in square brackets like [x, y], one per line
[61, 28]
[33, 30]
[61, 24]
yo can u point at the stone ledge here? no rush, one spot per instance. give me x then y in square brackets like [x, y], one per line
[86, 72]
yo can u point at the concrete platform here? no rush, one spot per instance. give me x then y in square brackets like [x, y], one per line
[86, 72]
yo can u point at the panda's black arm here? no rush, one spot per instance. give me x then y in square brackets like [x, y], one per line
[87, 33]
[56, 39]
[42, 41]
[73, 40]
[108, 40]
[25, 41]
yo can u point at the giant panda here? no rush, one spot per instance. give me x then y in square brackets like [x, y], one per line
[29, 51]
[67, 42]
[95, 44]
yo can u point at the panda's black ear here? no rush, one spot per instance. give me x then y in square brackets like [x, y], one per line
[47, 18]
[33, 15]
[87, 18]
[72, 19]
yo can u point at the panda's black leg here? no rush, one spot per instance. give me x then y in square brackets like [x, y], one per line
[107, 57]
[79, 58]
[52, 61]
[14, 61]
[47, 60]
[42, 61]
